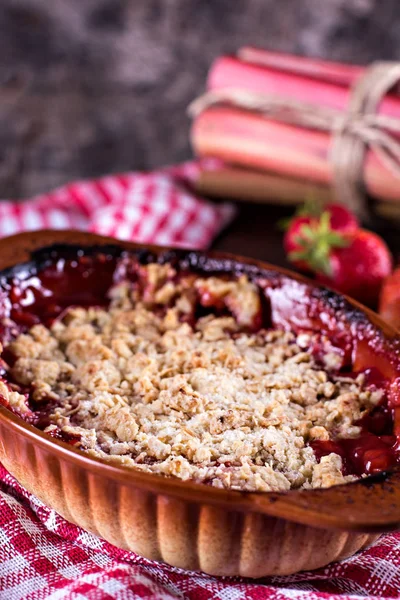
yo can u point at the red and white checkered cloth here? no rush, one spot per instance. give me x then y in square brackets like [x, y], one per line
[156, 208]
[42, 556]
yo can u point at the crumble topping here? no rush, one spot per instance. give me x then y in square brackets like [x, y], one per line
[210, 397]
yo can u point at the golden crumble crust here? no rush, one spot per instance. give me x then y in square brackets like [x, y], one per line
[213, 399]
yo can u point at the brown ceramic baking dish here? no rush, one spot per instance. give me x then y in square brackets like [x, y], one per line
[195, 526]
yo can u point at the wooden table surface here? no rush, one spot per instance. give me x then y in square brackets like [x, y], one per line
[255, 233]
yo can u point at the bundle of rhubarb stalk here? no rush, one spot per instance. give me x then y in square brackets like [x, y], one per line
[266, 160]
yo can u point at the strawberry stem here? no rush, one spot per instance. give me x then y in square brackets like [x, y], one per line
[316, 241]
[311, 207]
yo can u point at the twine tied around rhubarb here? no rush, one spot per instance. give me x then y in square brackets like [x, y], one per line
[352, 131]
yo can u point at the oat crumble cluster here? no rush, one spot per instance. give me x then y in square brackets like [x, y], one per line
[149, 384]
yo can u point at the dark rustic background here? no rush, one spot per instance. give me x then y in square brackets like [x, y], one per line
[95, 86]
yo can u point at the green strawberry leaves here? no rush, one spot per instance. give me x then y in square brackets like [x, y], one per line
[317, 240]
[311, 207]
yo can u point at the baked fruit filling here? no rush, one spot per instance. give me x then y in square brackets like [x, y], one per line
[182, 374]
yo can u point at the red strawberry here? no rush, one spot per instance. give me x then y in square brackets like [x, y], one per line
[307, 220]
[293, 237]
[357, 268]
[389, 302]
[341, 219]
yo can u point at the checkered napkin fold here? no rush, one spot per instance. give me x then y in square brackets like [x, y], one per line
[42, 556]
[156, 208]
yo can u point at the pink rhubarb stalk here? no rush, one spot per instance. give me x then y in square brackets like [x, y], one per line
[322, 70]
[228, 72]
[252, 141]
